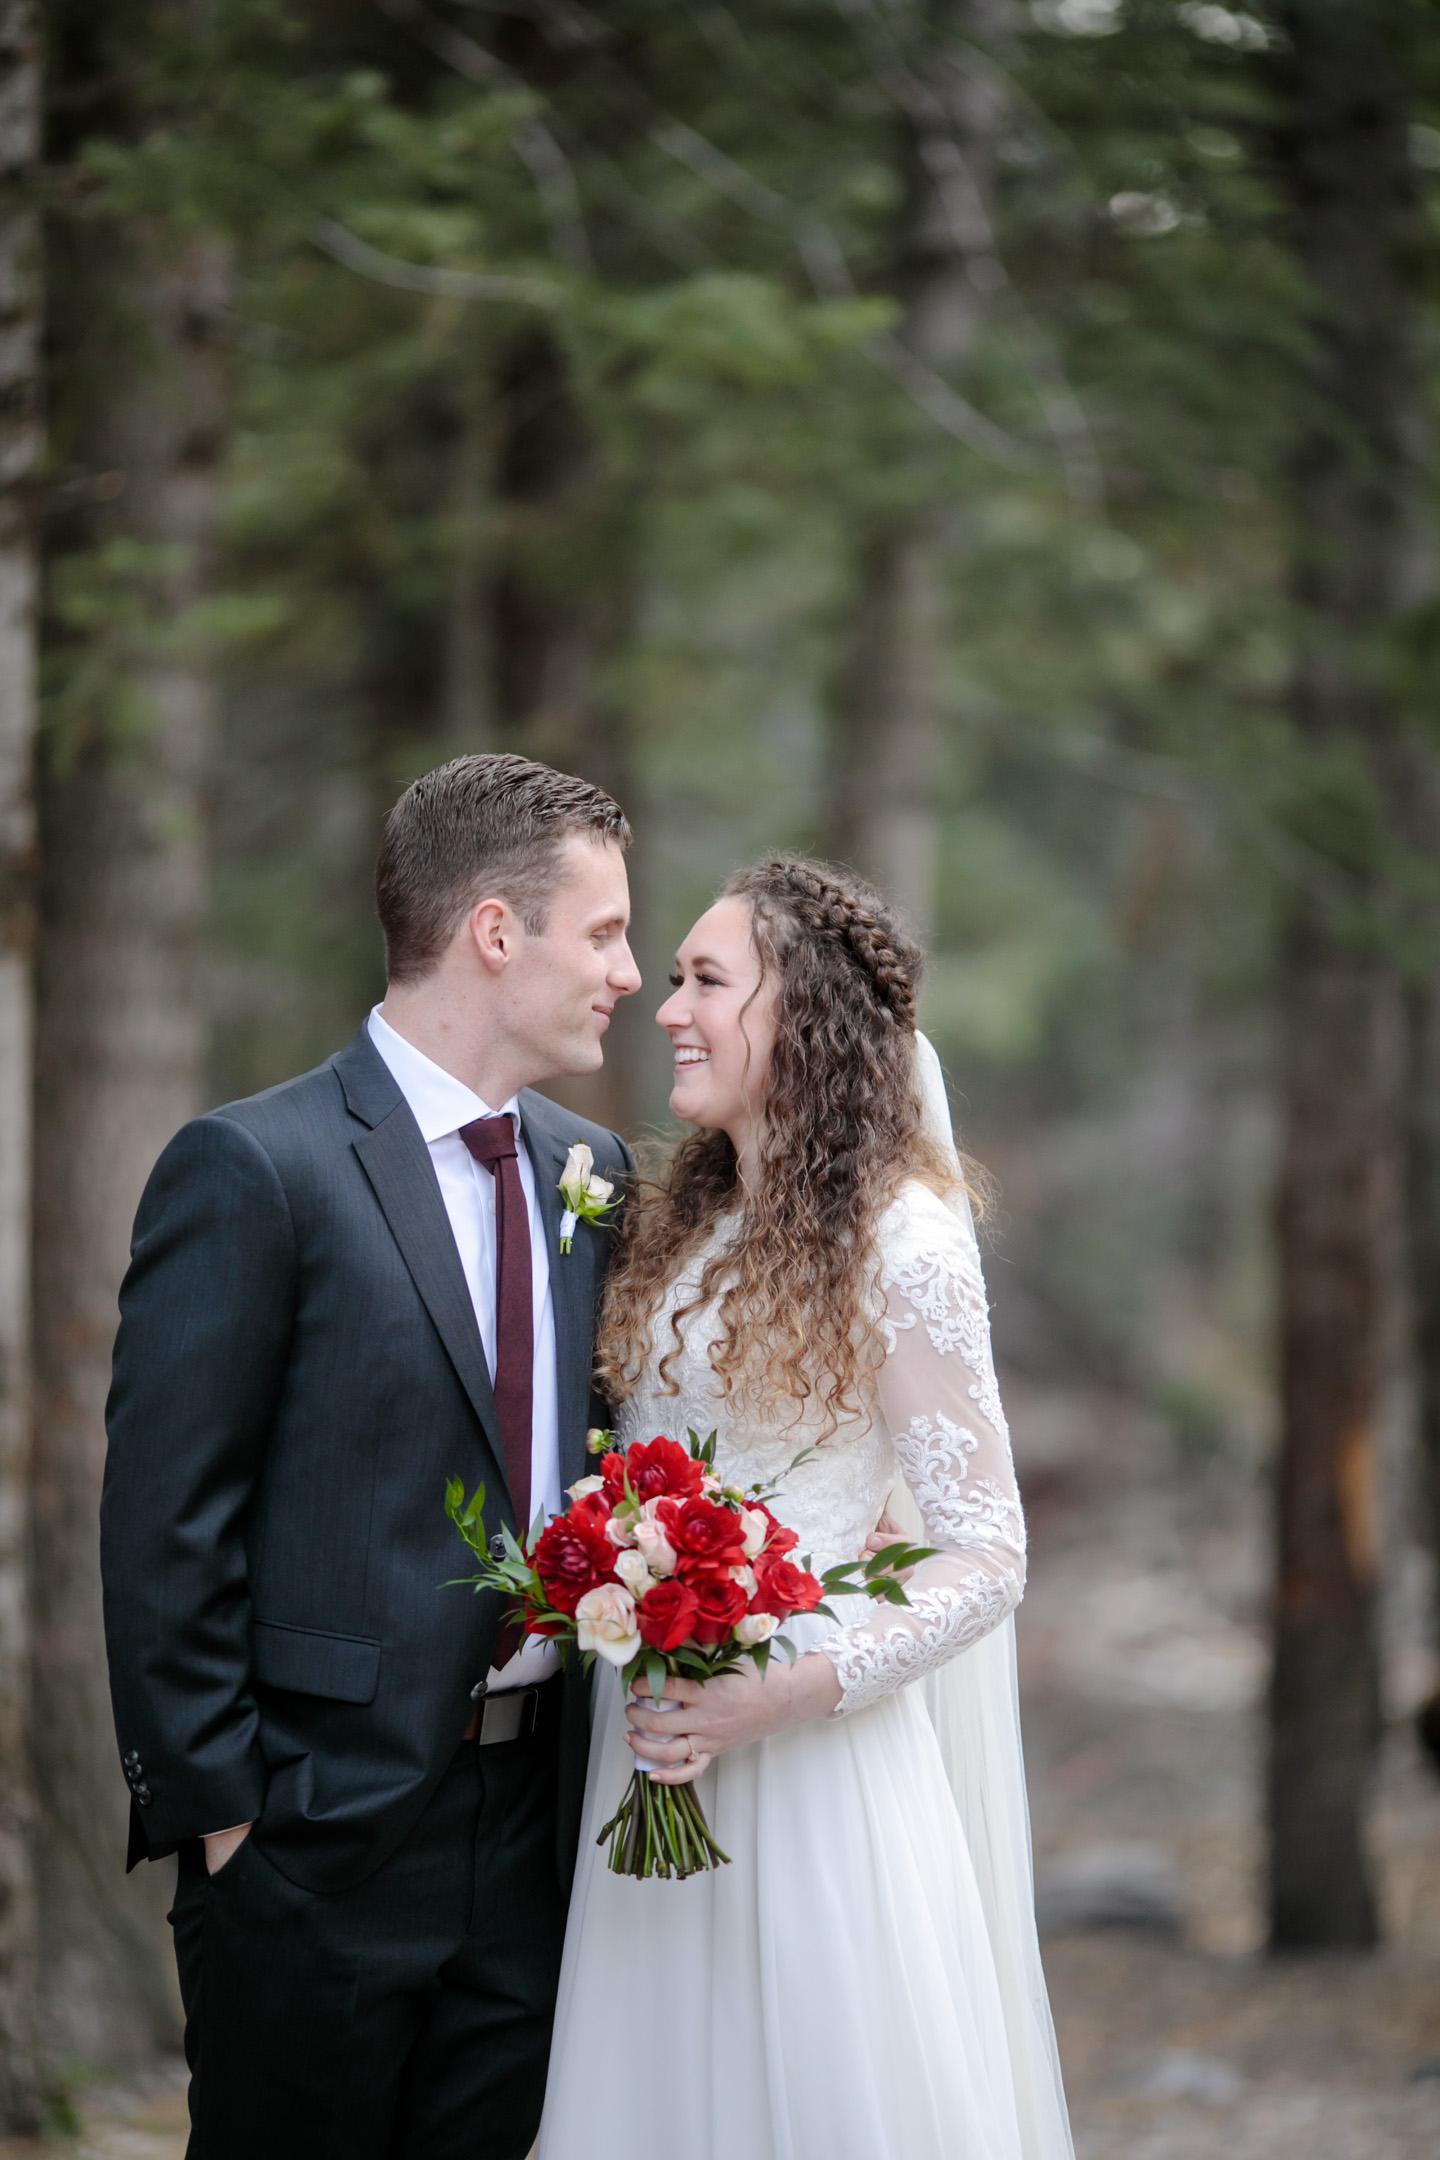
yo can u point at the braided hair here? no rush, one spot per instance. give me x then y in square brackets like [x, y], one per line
[795, 904]
[843, 1128]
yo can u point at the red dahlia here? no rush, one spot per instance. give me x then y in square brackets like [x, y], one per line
[574, 1555]
[654, 1468]
[707, 1535]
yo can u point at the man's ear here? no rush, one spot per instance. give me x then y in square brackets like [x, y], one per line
[494, 933]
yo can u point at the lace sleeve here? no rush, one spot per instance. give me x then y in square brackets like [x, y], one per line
[938, 1394]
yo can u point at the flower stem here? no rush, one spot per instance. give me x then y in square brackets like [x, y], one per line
[660, 1830]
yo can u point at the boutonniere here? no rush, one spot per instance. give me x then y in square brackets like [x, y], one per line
[587, 1198]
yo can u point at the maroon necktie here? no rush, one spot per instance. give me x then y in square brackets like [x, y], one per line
[491, 1140]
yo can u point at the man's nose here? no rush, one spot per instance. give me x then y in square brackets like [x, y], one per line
[625, 976]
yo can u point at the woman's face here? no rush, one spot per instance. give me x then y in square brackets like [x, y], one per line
[721, 1021]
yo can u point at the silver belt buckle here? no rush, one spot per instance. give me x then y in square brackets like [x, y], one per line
[508, 1716]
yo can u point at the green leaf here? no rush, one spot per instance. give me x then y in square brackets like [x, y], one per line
[588, 1209]
[655, 1674]
[467, 1515]
[893, 1559]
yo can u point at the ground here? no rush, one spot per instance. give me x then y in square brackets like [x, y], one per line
[145, 2121]
[1143, 1662]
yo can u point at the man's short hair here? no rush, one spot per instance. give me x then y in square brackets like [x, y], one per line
[479, 826]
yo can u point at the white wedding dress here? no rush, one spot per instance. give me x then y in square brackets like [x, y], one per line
[857, 1984]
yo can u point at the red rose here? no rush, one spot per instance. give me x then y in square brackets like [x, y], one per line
[654, 1468]
[782, 1588]
[778, 1539]
[666, 1615]
[574, 1555]
[718, 1605]
[696, 1572]
[706, 1536]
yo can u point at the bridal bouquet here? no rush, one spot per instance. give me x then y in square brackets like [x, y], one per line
[663, 1570]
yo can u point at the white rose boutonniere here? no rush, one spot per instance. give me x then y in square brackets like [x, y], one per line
[587, 1198]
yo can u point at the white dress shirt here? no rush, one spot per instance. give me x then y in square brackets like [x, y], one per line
[441, 1104]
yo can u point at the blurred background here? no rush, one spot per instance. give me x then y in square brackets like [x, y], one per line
[990, 444]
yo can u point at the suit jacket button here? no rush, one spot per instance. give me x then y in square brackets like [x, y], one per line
[497, 1546]
[143, 1796]
[477, 1693]
[131, 1761]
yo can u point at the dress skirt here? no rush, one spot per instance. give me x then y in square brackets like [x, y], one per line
[830, 1995]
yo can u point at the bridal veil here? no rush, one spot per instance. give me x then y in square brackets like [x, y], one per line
[973, 1702]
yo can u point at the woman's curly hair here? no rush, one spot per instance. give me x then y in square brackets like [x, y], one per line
[843, 1128]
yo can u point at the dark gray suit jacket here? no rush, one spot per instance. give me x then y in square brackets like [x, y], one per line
[298, 1372]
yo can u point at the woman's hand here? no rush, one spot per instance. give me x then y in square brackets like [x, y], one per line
[730, 1712]
[887, 1532]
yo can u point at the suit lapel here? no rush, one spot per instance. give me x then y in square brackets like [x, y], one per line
[397, 1163]
[572, 1283]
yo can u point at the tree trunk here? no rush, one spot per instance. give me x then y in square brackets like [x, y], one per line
[1422, 1188]
[120, 1050]
[1422, 1198]
[1344, 165]
[1338, 1107]
[20, 445]
[887, 741]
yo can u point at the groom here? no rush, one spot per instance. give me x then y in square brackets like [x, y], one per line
[343, 1292]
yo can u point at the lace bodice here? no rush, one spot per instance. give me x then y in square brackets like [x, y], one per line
[932, 1416]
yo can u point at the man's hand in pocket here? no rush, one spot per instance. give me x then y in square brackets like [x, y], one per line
[222, 1845]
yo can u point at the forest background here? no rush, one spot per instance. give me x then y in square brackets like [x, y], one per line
[987, 443]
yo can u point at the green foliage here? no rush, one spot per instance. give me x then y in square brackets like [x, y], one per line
[468, 1516]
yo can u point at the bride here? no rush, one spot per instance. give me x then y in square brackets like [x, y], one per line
[863, 1978]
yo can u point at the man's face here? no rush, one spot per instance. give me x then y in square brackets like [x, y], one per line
[562, 986]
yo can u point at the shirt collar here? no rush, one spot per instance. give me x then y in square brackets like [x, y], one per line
[439, 1102]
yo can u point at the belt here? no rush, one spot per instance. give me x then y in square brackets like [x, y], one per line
[513, 1714]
